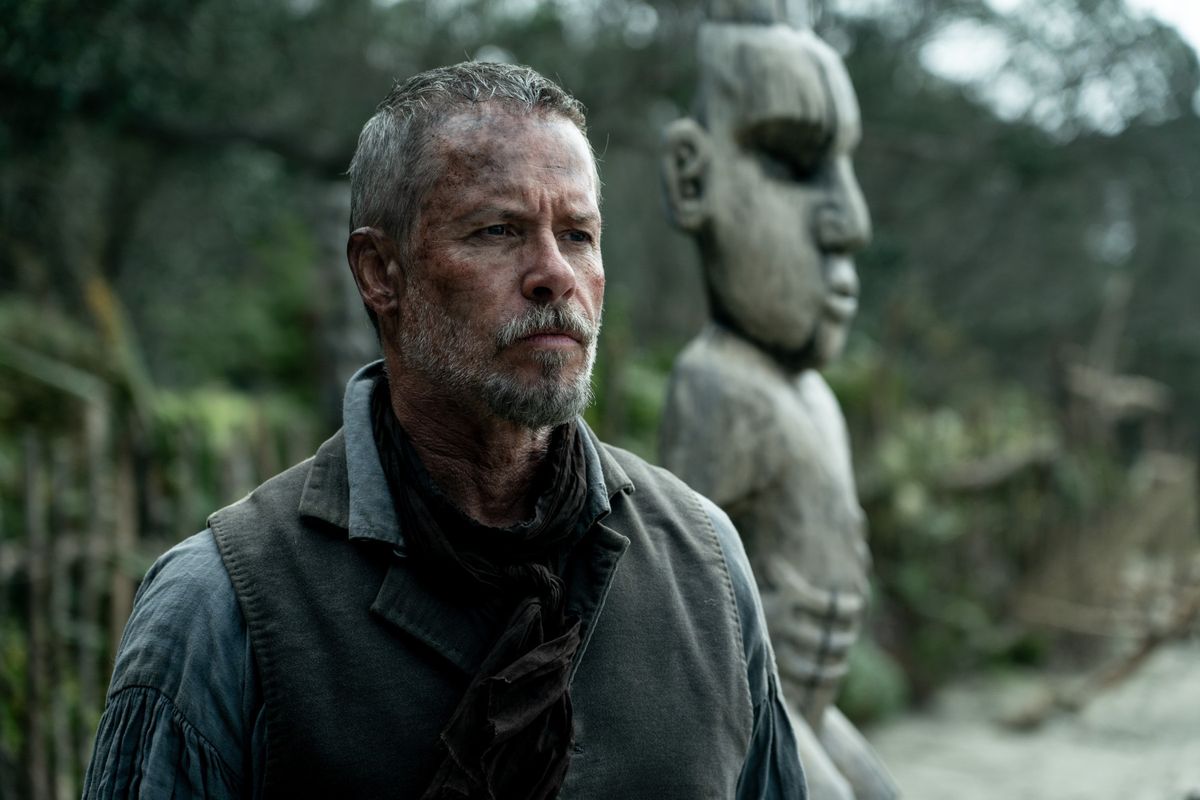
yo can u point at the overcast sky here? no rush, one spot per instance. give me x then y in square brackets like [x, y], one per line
[1183, 14]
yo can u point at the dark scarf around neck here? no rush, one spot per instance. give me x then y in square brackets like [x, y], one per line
[511, 734]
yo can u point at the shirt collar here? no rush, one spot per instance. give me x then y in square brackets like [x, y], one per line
[346, 485]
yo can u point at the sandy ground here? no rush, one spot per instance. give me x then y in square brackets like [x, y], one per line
[1140, 740]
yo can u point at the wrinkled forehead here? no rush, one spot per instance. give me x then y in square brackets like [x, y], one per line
[755, 74]
[492, 136]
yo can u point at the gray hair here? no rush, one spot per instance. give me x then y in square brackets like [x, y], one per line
[391, 172]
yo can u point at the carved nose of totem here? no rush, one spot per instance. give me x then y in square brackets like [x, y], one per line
[843, 223]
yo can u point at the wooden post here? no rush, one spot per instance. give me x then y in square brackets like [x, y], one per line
[266, 450]
[95, 564]
[58, 572]
[124, 539]
[237, 469]
[35, 732]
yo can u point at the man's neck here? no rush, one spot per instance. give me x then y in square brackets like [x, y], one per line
[484, 465]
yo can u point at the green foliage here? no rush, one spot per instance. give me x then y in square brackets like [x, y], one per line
[875, 687]
[240, 302]
[967, 484]
[630, 385]
[997, 227]
[14, 657]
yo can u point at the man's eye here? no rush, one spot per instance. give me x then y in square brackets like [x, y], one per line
[495, 230]
[578, 236]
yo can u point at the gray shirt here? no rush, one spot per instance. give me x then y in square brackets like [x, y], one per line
[185, 710]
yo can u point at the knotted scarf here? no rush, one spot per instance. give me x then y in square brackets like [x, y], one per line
[511, 734]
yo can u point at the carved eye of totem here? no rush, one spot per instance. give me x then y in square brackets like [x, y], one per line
[788, 150]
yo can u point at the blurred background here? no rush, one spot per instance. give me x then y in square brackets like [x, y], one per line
[177, 321]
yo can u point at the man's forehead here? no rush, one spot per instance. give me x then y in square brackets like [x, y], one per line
[491, 158]
[476, 120]
[490, 136]
[494, 122]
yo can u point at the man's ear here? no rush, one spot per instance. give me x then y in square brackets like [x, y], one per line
[373, 259]
[684, 162]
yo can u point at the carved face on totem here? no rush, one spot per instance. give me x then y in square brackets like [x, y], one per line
[763, 179]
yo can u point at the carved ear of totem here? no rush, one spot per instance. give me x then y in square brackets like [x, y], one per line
[685, 161]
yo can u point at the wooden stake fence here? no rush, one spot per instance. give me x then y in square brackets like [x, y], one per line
[91, 510]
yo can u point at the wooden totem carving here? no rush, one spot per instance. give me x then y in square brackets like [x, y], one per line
[761, 177]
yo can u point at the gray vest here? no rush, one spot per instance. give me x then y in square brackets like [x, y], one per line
[362, 660]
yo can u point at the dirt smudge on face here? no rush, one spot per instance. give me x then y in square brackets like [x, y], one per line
[459, 160]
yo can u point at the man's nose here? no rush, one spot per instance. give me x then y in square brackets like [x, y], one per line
[549, 276]
[843, 223]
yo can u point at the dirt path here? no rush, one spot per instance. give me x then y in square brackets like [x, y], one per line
[1138, 741]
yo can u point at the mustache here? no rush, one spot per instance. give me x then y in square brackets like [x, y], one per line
[566, 319]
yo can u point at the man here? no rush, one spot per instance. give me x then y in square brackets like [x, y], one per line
[763, 180]
[463, 594]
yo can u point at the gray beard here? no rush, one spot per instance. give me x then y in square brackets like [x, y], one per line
[434, 345]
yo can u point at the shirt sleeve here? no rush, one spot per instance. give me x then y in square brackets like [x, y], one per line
[772, 769]
[183, 718]
[146, 748]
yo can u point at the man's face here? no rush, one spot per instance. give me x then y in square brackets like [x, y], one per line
[505, 284]
[786, 209]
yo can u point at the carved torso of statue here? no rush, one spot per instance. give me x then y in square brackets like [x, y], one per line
[770, 448]
[763, 179]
